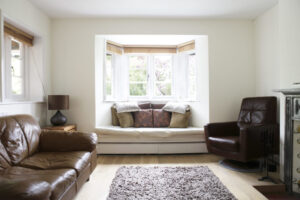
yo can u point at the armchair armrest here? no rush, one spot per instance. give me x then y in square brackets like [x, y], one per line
[221, 129]
[25, 189]
[67, 141]
[254, 138]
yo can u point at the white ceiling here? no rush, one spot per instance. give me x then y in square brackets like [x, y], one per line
[246, 9]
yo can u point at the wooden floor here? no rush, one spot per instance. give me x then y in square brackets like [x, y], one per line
[240, 184]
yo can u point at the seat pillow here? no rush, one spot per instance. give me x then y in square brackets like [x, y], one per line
[125, 119]
[77, 160]
[143, 118]
[179, 120]
[161, 118]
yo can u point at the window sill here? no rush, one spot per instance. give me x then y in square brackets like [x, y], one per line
[21, 102]
[149, 100]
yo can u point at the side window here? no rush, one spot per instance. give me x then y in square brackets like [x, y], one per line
[192, 79]
[108, 74]
[15, 69]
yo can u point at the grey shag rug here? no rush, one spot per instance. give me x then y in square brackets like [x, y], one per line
[166, 183]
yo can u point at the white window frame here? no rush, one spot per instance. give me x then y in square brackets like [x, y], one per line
[151, 77]
[109, 97]
[8, 95]
[197, 77]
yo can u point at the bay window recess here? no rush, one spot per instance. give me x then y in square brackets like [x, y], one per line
[150, 72]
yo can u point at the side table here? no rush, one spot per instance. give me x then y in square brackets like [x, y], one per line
[69, 128]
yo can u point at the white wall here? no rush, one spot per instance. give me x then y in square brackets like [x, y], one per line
[277, 39]
[24, 14]
[231, 61]
[266, 52]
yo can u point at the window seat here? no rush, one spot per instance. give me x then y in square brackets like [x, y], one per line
[117, 140]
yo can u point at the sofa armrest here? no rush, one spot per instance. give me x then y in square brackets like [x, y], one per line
[24, 189]
[67, 141]
[221, 129]
[253, 139]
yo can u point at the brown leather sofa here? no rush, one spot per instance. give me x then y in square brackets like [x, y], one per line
[42, 165]
[245, 140]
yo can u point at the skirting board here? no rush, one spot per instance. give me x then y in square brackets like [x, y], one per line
[151, 148]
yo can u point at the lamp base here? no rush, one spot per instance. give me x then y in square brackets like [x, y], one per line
[58, 119]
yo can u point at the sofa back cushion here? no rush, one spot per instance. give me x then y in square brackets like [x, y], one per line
[161, 118]
[257, 111]
[157, 106]
[19, 138]
[145, 105]
[143, 118]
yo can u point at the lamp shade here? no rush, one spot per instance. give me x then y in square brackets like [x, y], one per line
[58, 102]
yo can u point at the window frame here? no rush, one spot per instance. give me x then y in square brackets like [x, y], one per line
[150, 88]
[8, 94]
[109, 97]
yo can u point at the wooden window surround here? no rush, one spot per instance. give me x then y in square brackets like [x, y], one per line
[120, 49]
[18, 34]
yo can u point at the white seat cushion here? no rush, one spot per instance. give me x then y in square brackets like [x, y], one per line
[136, 135]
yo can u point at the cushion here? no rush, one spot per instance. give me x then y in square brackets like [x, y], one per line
[161, 118]
[226, 143]
[145, 105]
[125, 119]
[59, 179]
[179, 120]
[76, 160]
[127, 107]
[176, 107]
[114, 117]
[157, 106]
[143, 118]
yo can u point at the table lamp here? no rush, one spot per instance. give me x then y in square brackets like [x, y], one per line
[58, 102]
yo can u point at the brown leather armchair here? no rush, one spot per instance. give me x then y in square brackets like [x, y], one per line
[43, 165]
[245, 140]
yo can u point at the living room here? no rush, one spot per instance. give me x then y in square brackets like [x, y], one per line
[80, 58]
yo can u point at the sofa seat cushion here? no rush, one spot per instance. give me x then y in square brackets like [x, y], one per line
[76, 160]
[59, 179]
[113, 134]
[226, 143]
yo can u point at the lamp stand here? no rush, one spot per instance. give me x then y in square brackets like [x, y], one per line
[58, 119]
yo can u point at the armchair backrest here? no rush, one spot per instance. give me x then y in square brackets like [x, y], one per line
[19, 138]
[258, 111]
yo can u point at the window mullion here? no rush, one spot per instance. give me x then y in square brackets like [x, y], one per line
[151, 76]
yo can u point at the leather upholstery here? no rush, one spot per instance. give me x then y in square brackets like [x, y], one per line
[227, 143]
[19, 138]
[59, 179]
[76, 160]
[55, 141]
[42, 165]
[243, 140]
[24, 188]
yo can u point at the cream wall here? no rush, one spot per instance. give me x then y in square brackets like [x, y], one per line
[23, 13]
[277, 47]
[231, 61]
[266, 52]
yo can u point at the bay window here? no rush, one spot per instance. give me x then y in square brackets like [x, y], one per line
[150, 73]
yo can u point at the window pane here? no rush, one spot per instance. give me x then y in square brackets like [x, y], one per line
[108, 76]
[138, 75]
[163, 89]
[192, 76]
[138, 89]
[16, 68]
[163, 79]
